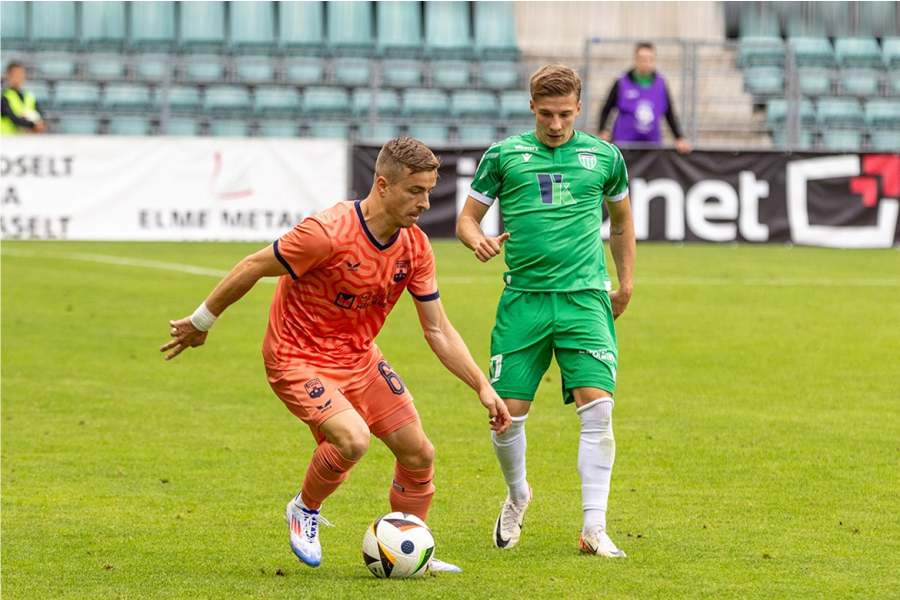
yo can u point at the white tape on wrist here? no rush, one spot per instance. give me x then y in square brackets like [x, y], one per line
[202, 319]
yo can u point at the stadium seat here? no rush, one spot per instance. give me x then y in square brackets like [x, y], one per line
[324, 101]
[763, 81]
[152, 24]
[181, 98]
[447, 29]
[882, 113]
[70, 95]
[387, 102]
[53, 24]
[761, 51]
[499, 75]
[226, 99]
[14, 24]
[41, 91]
[777, 111]
[401, 73]
[430, 133]
[808, 20]
[228, 128]
[301, 25]
[890, 49]
[842, 139]
[878, 19]
[857, 52]
[399, 28]
[55, 66]
[451, 74]
[206, 68]
[518, 128]
[305, 73]
[105, 67]
[860, 82]
[182, 126]
[474, 104]
[516, 105]
[894, 85]
[495, 30]
[258, 70]
[885, 141]
[382, 132]
[276, 100]
[132, 97]
[202, 26]
[132, 125]
[252, 25]
[839, 111]
[103, 24]
[350, 27]
[812, 52]
[352, 72]
[278, 129]
[74, 124]
[425, 103]
[483, 135]
[814, 81]
[804, 141]
[757, 19]
[154, 68]
[339, 130]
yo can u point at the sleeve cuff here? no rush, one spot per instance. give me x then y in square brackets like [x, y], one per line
[617, 197]
[427, 298]
[283, 261]
[481, 197]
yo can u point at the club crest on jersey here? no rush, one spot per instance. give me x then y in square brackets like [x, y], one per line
[588, 161]
[315, 389]
[401, 270]
[344, 300]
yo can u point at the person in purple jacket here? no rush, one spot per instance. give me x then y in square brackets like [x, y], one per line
[642, 98]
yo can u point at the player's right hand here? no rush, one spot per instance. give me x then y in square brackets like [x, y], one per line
[186, 336]
[489, 247]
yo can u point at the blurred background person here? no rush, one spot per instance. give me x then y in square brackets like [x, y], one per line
[20, 113]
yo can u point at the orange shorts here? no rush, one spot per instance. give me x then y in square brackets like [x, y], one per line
[371, 388]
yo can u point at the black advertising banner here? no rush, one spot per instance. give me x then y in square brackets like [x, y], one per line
[832, 200]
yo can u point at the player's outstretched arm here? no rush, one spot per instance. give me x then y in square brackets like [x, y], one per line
[622, 246]
[191, 331]
[451, 350]
[468, 230]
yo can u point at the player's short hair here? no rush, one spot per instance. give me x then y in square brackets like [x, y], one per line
[643, 45]
[14, 65]
[404, 153]
[554, 81]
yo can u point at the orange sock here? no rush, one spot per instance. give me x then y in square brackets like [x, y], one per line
[327, 470]
[412, 490]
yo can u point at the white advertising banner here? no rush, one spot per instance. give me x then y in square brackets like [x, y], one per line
[165, 189]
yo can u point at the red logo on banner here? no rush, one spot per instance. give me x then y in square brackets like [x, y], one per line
[885, 167]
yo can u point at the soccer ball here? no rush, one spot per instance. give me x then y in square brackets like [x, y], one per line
[398, 546]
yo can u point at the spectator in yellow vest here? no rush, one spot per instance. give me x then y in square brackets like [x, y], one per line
[19, 109]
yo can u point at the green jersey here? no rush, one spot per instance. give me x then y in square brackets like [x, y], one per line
[551, 201]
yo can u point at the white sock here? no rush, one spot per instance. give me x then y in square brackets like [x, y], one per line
[596, 454]
[510, 451]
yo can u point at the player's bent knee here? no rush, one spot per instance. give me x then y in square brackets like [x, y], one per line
[420, 457]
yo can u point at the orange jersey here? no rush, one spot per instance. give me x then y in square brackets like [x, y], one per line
[340, 288]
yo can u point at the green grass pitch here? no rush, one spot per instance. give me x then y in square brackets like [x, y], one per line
[757, 423]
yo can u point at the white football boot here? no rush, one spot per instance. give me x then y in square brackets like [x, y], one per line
[595, 541]
[439, 566]
[303, 524]
[509, 524]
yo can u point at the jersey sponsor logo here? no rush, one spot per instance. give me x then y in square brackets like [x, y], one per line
[353, 267]
[588, 161]
[591, 149]
[554, 190]
[603, 356]
[530, 148]
[344, 300]
[496, 367]
[315, 389]
[401, 270]
[526, 157]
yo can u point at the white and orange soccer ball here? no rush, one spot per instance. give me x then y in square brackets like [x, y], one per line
[398, 546]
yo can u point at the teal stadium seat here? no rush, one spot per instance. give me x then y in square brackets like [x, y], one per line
[130, 97]
[254, 70]
[814, 81]
[41, 91]
[350, 28]
[447, 29]
[499, 75]
[804, 142]
[309, 72]
[480, 135]
[55, 66]
[152, 24]
[154, 68]
[857, 52]
[777, 112]
[105, 67]
[761, 51]
[451, 74]
[860, 82]
[301, 26]
[473, 105]
[183, 126]
[53, 24]
[332, 130]
[387, 103]
[103, 24]
[202, 26]
[890, 49]
[812, 52]
[79, 124]
[894, 85]
[518, 128]
[430, 132]
[278, 129]
[495, 30]
[882, 112]
[812, 19]
[204, 68]
[839, 111]
[885, 141]
[382, 132]
[352, 72]
[76, 95]
[758, 19]
[14, 24]
[228, 128]
[182, 99]
[226, 100]
[764, 81]
[842, 139]
[399, 28]
[132, 125]
[325, 101]
[276, 100]
[401, 73]
[252, 25]
[425, 103]
[515, 105]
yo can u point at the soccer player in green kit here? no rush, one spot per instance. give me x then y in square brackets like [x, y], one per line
[551, 183]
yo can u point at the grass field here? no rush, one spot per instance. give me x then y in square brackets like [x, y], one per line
[757, 424]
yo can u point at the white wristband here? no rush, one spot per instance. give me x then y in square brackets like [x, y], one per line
[202, 319]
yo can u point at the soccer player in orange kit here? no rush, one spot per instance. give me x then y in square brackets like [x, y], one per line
[341, 272]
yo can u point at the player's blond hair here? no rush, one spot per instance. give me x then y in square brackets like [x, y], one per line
[404, 153]
[555, 80]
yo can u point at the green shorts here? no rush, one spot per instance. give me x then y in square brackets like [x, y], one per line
[531, 326]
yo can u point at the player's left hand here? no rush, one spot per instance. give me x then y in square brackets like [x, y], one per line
[499, 415]
[619, 300]
[186, 336]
